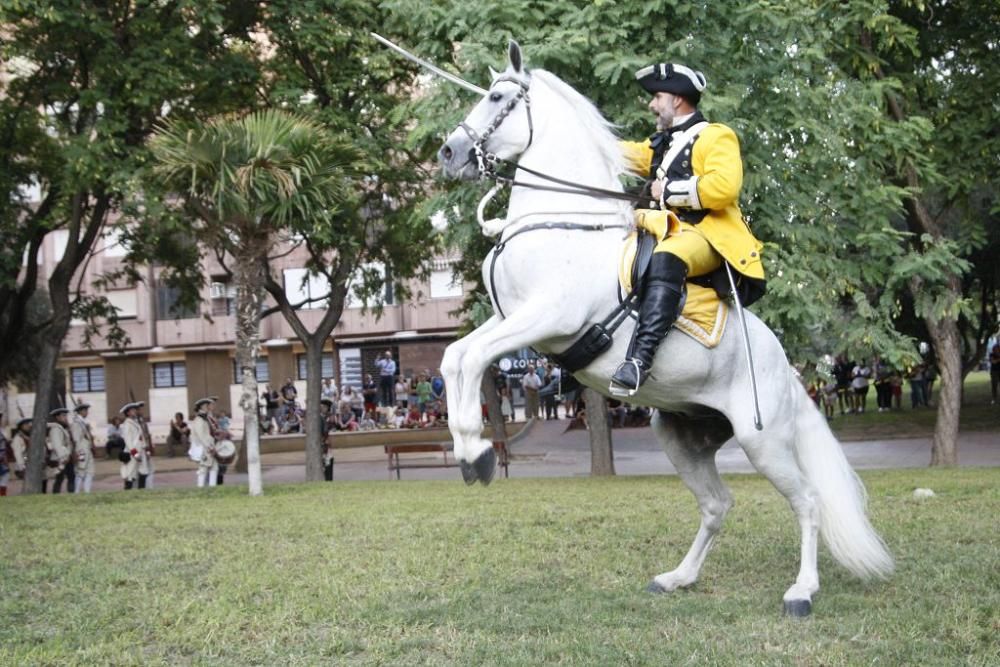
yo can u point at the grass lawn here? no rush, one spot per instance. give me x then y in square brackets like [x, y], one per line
[977, 415]
[522, 572]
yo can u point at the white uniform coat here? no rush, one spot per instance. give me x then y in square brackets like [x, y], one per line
[60, 445]
[84, 442]
[135, 444]
[201, 434]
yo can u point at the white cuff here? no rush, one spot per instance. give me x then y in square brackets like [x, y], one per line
[684, 194]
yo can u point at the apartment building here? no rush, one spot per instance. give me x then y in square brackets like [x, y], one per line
[176, 356]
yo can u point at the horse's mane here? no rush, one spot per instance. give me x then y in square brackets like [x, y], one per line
[593, 127]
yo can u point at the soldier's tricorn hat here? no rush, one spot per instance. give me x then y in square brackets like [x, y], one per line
[203, 401]
[59, 411]
[129, 406]
[672, 78]
[81, 406]
[21, 422]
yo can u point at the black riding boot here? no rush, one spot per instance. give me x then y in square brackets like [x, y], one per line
[662, 301]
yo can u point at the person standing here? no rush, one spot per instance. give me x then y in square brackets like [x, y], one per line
[329, 390]
[6, 458]
[859, 383]
[694, 175]
[60, 446]
[369, 392]
[386, 379]
[20, 440]
[325, 406]
[135, 458]
[86, 453]
[531, 384]
[203, 445]
[424, 392]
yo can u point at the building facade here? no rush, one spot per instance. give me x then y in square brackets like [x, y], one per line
[176, 356]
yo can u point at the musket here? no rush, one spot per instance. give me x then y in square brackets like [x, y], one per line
[447, 76]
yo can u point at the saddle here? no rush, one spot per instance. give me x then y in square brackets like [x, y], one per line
[704, 315]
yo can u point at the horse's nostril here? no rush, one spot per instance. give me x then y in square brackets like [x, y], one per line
[446, 152]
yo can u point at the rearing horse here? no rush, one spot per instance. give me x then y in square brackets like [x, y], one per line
[549, 283]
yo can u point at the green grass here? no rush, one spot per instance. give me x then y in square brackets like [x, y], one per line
[523, 572]
[977, 415]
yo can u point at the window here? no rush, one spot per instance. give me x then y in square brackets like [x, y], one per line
[223, 297]
[444, 284]
[263, 371]
[170, 374]
[168, 306]
[300, 285]
[371, 280]
[326, 365]
[124, 302]
[113, 246]
[87, 379]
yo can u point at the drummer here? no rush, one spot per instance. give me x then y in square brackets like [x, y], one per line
[202, 437]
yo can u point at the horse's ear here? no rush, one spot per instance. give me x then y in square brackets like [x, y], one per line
[514, 53]
[494, 75]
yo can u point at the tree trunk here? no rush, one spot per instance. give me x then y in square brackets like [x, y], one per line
[314, 420]
[948, 351]
[602, 456]
[249, 278]
[37, 453]
[493, 411]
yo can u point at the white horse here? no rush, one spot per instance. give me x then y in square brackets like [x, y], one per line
[551, 284]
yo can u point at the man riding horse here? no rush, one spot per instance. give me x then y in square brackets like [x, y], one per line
[695, 173]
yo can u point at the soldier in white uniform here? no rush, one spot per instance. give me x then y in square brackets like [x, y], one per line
[60, 446]
[136, 466]
[202, 436]
[83, 439]
[20, 441]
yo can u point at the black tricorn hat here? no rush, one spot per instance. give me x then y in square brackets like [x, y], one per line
[672, 78]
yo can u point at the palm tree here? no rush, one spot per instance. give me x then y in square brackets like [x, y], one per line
[245, 180]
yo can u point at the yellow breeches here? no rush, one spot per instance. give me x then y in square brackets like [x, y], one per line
[687, 243]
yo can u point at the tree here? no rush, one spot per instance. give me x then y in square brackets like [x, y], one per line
[602, 455]
[836, 183]
[86, 85]
[325, 64]
[246, 180]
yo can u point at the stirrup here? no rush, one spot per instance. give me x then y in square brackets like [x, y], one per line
[622, 391]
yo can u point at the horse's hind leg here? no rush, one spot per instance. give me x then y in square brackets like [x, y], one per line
[774, 457]
[691, 444]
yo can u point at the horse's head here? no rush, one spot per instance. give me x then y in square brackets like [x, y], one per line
[500, 124]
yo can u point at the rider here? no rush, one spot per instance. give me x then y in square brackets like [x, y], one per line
[695, 173]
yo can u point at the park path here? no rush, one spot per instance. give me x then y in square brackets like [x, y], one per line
[548, 450]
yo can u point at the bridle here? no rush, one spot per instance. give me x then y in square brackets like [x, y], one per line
[487, 163]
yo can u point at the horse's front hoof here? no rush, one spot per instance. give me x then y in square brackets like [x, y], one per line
[469, 473]
[798, 608]
[654, 587]
[486, 466]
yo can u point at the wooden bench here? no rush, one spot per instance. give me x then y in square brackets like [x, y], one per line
[396, 464]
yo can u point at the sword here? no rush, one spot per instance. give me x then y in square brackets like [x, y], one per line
[746, 348]
[432, 68]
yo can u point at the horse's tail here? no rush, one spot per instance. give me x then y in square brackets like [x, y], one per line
[843, 521]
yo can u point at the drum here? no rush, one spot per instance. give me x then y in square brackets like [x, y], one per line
[225, 452]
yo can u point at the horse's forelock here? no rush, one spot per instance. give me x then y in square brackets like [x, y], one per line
[591, 124]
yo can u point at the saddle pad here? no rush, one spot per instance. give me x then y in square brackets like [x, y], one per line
[704, 316]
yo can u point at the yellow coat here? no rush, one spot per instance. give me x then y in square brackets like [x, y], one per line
[715, 160]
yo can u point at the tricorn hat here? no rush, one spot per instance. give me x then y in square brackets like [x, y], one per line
[203, 401]
[22, 421]
[81, 406]
[129, 406]
[59, 411]
[672, 78]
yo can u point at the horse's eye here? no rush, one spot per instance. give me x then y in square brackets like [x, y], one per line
[495, 97]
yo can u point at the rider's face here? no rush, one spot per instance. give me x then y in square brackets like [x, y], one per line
[664, 107]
